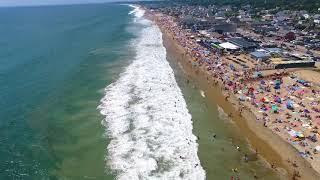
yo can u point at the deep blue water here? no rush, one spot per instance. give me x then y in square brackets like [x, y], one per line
[54, 63]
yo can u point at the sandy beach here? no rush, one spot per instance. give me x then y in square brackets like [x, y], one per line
[280, 155]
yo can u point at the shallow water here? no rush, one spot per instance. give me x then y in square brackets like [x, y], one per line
[55, 62]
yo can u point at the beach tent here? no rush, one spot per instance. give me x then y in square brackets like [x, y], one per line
[317, 148]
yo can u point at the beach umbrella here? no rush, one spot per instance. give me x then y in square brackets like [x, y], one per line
[299, 135]
[274, 108]
[314, 138]
[277, 82]
[232, 67]
[277, 86]
[257, 74]
[292, 133]
[289, 104]
[301, 92]
[277, 99]
[301, 81]
[242, 98]
[306, 111]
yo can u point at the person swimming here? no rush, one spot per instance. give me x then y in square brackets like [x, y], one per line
[213, 137]
[246, 158]
[235, 170]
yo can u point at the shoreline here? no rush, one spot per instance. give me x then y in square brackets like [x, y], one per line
[270, 146]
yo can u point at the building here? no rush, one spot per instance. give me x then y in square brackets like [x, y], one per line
[290, 36]
[260, 55]
[274, 51]
[224, 27]
[187, 21]
[242, 43]
[268, 17]
[293, 64]
[203, 24]
[229, 46]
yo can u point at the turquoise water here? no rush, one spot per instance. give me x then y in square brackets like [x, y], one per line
[54, 63]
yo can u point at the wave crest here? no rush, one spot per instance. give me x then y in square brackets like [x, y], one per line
[146, 117]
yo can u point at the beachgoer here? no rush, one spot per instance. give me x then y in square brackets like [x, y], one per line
[235, 170]
[246, 158]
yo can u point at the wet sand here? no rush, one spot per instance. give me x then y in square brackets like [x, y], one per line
[269, 145]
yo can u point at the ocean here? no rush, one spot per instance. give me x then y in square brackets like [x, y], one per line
[87, 93]
[55, 63]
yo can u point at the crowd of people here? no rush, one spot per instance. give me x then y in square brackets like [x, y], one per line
[281, 101]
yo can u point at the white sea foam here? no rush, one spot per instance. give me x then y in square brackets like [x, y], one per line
[203, 94]
[136, 11]
[147, 119]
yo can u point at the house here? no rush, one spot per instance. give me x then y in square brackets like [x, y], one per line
[242, 43]
[268, 17]
[220, 14]
[306, 16]
[282, 16]
[290, 36]
[224, 27]
[316, 18]
[234, 20]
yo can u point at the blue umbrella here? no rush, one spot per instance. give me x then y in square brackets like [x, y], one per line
[289, 104]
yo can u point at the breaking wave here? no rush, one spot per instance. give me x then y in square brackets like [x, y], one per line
[146, 116]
